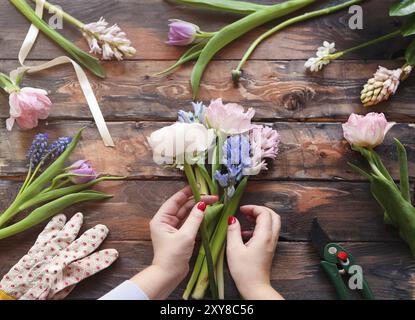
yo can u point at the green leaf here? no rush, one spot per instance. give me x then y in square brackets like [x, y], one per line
[410, 53]
[50, 209]
[44, 197]
[234, 30]
[212, 186]
[191, 54]
[85, 59]
[400, 211]
[403, 170]
[408, 28]
[240, 7]
[402, 8]
[360, 171]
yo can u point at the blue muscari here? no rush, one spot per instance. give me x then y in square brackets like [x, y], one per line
[58, 147]
[37, 149]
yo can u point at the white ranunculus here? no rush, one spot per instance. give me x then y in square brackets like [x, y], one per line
[179, 142]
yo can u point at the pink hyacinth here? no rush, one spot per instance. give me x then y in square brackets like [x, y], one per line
[27, 106]
[366, 131]
[181, 33]
[83, 168]
[264, 143]
[229, 118]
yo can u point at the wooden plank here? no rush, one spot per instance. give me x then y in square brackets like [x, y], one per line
[295, 273]
[145, 22]
[338, 205]
[308, 150]
[277, 89]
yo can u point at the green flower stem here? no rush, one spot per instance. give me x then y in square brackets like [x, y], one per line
[203, 232]
[85, 59]
[212, 214]
[385, 37]
[67, 17]
[218, 239]
[309, 15]
[234, 30]
[239, 7]
[220, 275]
[205, 34]
[201, 182]
[50, 209]
[212, 185]
[403, 171]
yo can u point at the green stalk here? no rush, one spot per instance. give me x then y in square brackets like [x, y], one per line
[364, 45]
[201, 182]
[85, 59]
[237, 29]
[218, 239]
[203, 232]
[239, 7]
[189, 55]
[50, 209]
[67, 17]
[403, 171]
[211, 215]
[212, 185]
[220, 275]
[309, 15]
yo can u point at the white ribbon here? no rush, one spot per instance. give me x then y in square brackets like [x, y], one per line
[82, 78]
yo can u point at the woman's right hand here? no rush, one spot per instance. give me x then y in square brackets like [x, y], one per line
[250, 263]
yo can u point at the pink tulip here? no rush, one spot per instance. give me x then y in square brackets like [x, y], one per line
[366, 131]
[82, 167]
[181, 33]
[229, 118]
[27, 105]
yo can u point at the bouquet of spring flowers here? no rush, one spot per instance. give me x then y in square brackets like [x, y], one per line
[49, 186]
[218, 148]
[384, 82]
[365, 133]
[206, 44]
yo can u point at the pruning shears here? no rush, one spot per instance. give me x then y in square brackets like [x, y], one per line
[339, 265]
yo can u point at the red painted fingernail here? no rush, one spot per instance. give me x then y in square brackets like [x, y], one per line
[201, 206]
[231, 220]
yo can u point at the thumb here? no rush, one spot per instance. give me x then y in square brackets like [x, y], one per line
[191, 226]
[234, 237]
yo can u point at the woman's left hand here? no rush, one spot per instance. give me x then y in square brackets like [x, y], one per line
[173, 233]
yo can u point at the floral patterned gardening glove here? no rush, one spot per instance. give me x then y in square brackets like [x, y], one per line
[57, 262]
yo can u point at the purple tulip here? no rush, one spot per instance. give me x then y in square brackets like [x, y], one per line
[82, 167]
[181, 33]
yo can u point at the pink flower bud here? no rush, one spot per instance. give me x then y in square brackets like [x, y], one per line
[366, 131]
[181, 33]
[82, 167]
[27, 106]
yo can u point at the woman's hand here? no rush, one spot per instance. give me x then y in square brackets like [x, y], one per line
[250, 263]
[173, 232]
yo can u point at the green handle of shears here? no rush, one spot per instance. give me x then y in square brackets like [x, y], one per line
[336, 279]
[367, 292]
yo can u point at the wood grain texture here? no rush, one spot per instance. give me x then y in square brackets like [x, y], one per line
[307, 151]
[145, 22]
[338, 205]
[295, 274]
[277, 89]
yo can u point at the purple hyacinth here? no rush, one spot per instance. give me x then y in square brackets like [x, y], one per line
[236, 150]
[58, 147]
[37, 149]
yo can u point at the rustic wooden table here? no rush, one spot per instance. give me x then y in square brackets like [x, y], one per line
[309, 179]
